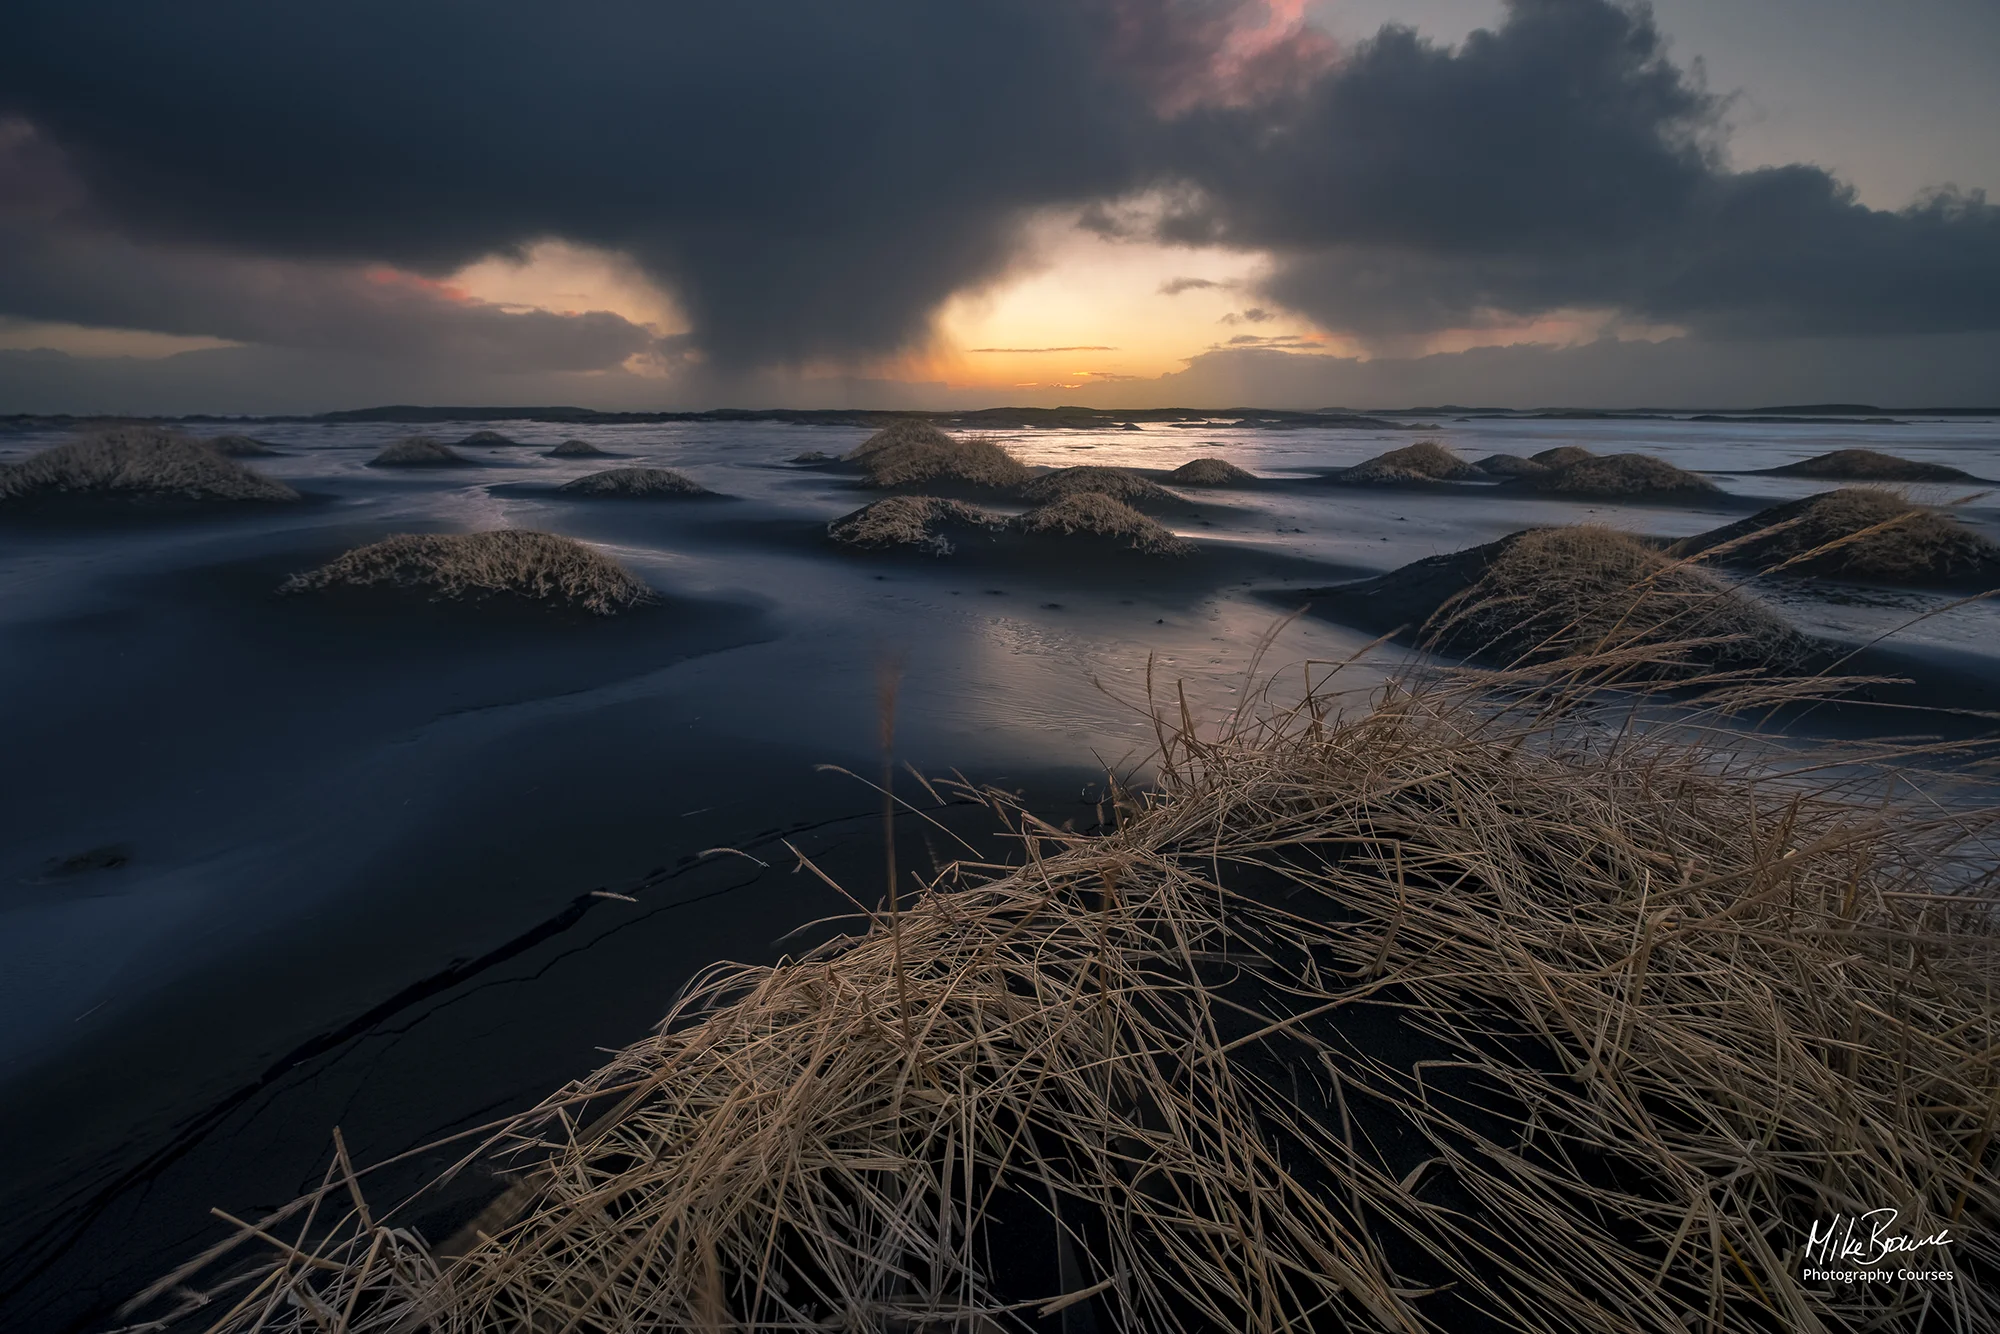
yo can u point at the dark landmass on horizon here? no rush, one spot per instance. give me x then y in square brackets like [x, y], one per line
[1083, 418]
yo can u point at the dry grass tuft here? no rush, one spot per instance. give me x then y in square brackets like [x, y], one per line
[1425, 461]
[1596, 593]
[916, 453]
[137, 462]
[1091, 514]
[904, 431]
[238, 446]
[1120, 484]
[925, 523]
[1562, 456]
[1211, 472]
[1477, 1008]
[418, 451]
[635, 484]
[1855, 532]
[1868, 465]
[1509, 465]
[578, 449]
[1621, 476]
[506, 564]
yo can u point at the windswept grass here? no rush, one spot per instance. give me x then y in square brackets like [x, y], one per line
[137, 463]
[913, 453]
[1597, 593]
[1211, 472]
[1620, 477]
[1425, 461]
[1093, 515]
[1869, 465]
[923, 523]
[419, 451]
[1476, 1007]
[1121, 484]
[506, 564]
[1858, 533]
[634, 484]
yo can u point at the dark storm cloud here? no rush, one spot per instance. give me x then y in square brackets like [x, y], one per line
[1560, 160]
[812, 180]
[808, 178]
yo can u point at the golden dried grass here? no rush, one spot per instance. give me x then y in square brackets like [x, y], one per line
[1870, 465]
[1858, 533]
[1093, 515]
[508, 564]
[1121, 484]
[1621, 476]
[635, 483]
[1211, 472]
[136, 462]
[1425, 461]
[924, 523]
[1664, 998]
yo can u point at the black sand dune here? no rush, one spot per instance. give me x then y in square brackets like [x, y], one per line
[421, 451]
[636, 484]
[1868, 465]
[578, 449]
[1856, 533]
[134, 469]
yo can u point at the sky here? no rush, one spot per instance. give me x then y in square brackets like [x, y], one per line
[241, 207]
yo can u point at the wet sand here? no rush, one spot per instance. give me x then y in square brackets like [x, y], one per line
[356, 849]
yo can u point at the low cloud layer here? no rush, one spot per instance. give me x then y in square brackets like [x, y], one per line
[811, 182]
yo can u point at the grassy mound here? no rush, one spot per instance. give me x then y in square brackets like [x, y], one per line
[634, 484]
[238, 446]
[419, 451]
[923, 523]
[914, 453]
[1857, 533]
[1562, 456]
[814, 456]
[488, 438]
[903, 432]
[1091, 514]
[1456, 1013]
[1574, 593]
[1868, 465]
[1509, 465]
[1621, 477]
[1118, 483]
[1211, 472]
[136, 463]
[577, 449]
[1425, 461]
[507, 564]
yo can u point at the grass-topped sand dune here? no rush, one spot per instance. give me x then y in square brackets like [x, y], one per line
[1120, 484]
[913, 453]
[238, 446]
[1587, 591]
[636, 484]
[577, 449]
[1869, 465]
[501, 567]
[1632, 477]
[1509, 465]
[136, 464]
[1856, 532]
[1097, 518]
[1561, 456]
[942, 527]
[1211, 472]
[420, 451]
[1474, 1007]
[1424, 462]
[916, 523]
[489, 438]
